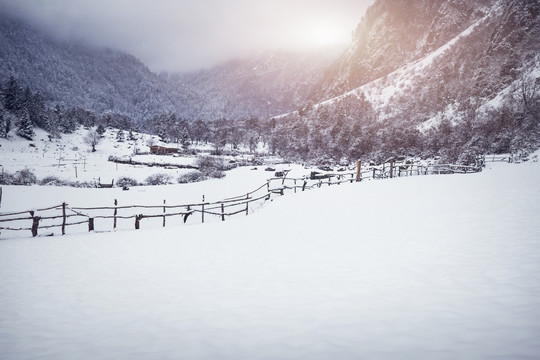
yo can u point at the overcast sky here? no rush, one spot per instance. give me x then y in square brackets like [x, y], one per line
[182, 35]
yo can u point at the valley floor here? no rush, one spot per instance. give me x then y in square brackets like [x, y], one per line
[429, 267]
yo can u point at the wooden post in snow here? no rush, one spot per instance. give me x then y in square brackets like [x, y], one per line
[222, 212]
[391, 169]
[138, 221]
[90, 224]
[63, 218]
[115, 213]
[358, 171]
[164, 209]
[247, 204]
[35, 224]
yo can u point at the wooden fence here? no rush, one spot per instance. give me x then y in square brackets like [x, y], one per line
[107, 218]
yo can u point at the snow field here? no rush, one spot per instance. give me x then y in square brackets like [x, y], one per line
[432, 267]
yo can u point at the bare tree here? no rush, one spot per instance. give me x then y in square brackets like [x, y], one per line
[527, 91]
[92, 138]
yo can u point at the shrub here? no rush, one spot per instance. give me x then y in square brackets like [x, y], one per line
[24, 177]
[125, 181]
[215, 174]
[6, 178]
[211, 166]
[158, 179]
[53, 181]
[191, 177]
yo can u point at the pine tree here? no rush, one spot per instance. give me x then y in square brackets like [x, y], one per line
[12, 95]
[120, 135]
[25, 128]
[184, 139]
[2, 123]
[100, 130]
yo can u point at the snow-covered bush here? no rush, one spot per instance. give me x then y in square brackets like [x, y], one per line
[125, 181]
[211, 166]
[191, 177]
[53, 181]
[158, 179]
[24, 177]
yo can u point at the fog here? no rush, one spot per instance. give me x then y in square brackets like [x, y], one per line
[182, 35]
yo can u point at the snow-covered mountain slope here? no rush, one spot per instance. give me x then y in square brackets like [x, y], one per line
[486, 54]
[78, 75]
[393, 33]
[106, 80]
[431, 267]
[261, 85]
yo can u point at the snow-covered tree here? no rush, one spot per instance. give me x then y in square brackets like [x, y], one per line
[120, 136]
[24, 127]
[184, 138]
[92, 138]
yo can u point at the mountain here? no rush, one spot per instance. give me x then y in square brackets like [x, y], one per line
[427, 77]
[105, 80]
[393, 33]
[78, 75]
[265, 84]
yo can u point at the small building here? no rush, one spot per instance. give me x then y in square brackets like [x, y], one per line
[161, 150]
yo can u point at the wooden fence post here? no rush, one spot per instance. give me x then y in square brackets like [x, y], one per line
[164, 212]
[358, 171]
[115, 213]
[247, 204]
[202, 212]
[222, 212]
[138, 221]
[90, 224]
[35, 225]
[373, 177]
[304, 186]
[63, 218]
[391, 169]
[294, 189]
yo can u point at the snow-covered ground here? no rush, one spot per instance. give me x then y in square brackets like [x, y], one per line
[70, 158]
[429, 267]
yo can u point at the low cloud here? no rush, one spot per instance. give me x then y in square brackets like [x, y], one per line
[181, 35]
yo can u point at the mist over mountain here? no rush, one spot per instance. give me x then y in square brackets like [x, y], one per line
[262, 85]
[106, 80]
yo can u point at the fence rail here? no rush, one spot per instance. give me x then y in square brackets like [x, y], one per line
[66, 216]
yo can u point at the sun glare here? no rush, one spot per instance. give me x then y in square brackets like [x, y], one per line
[325, 35]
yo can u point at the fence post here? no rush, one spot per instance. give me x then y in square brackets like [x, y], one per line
[90, 224]
[164, 212]
[373, 176]
[304, 186]
[391, 169]
[35, 224]
[115, 213]
[358, 172]
[138, 221]
[63, 218]
[294, 189]
[222, 212]
[247, 204]
[202, 212]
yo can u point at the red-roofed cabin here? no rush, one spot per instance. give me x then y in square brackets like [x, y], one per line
[161, 150]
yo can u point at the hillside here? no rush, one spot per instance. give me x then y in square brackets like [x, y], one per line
[262, 85]
[81, 76]
[106, 80]
[466, 81]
